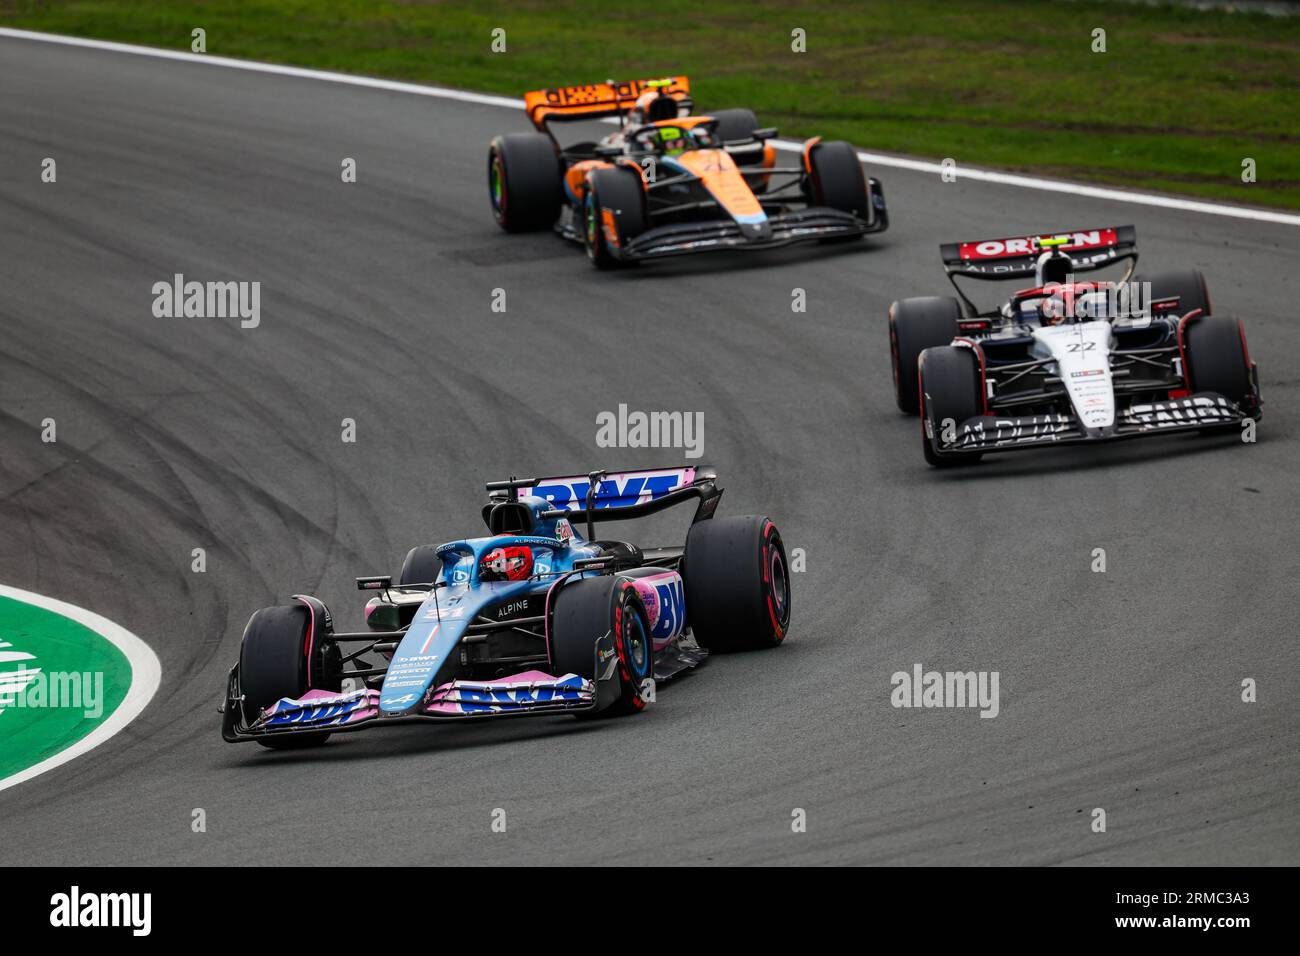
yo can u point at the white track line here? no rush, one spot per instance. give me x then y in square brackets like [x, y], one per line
[873, 159]
[256, 67]
[146, 674]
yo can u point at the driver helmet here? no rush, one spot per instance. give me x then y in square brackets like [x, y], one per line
[673, 140]
[1057, 308]
[1093, 304]
[510, 563]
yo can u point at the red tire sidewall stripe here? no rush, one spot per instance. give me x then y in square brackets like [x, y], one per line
[1245, 352]
[1182, 347]
[309, 643]
[983, 386]
[766, 548]
[624, 666]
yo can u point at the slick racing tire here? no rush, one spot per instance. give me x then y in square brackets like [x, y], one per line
[951, 388]
[837, 180]
[734, 125]
[914, 326]
[524, 181]
[1188, 284]
[737, 583]
[1215, 348]
[620, 193]
[585, 612]
[421, 566]
[273, 664]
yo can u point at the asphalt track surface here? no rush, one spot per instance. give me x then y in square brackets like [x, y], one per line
[1118, 690]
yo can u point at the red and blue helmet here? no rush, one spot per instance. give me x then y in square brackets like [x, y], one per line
[513, 562]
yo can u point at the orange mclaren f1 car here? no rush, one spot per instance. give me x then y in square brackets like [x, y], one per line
[668, 183]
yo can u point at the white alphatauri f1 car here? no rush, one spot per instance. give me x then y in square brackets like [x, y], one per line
[1065, 360]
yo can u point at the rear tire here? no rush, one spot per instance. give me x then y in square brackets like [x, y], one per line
[740, 124]
[734, 124]
[586, 611]
[737, 583]
[838, 181]
[524, 181]
[421, 566]
[1216, 358]
[914, 326]
[272, 665]
[1188, 284]
[950, 388]
[621, 193]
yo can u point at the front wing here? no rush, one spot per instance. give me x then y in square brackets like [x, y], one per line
[787, 229]
[783, 229]
[985, 433]
[529, 692]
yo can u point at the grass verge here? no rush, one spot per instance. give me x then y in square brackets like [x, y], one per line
[1178, 101]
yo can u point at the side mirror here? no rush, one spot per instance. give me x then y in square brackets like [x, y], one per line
[380, 582]
[383, 616]
[767, 132]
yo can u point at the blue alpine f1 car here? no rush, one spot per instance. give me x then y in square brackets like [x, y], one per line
[533, 618]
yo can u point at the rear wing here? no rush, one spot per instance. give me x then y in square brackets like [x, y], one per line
[598, 100]
[1009, 258]
[617, 496]
[1015, 257]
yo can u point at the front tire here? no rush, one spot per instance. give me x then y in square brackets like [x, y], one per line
[1216, 358]
[524, 181]
[837, 181]
[273, 663]
[951, 389]
[616, 194]
[914, 326]
[421, 566]
[737, 583]
[585, 613]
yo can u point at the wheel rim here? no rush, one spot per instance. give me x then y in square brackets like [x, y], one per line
[635, 645]
[497, 186]
[592, 232]
[780, 586]
[893, 356]
[925, 415]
